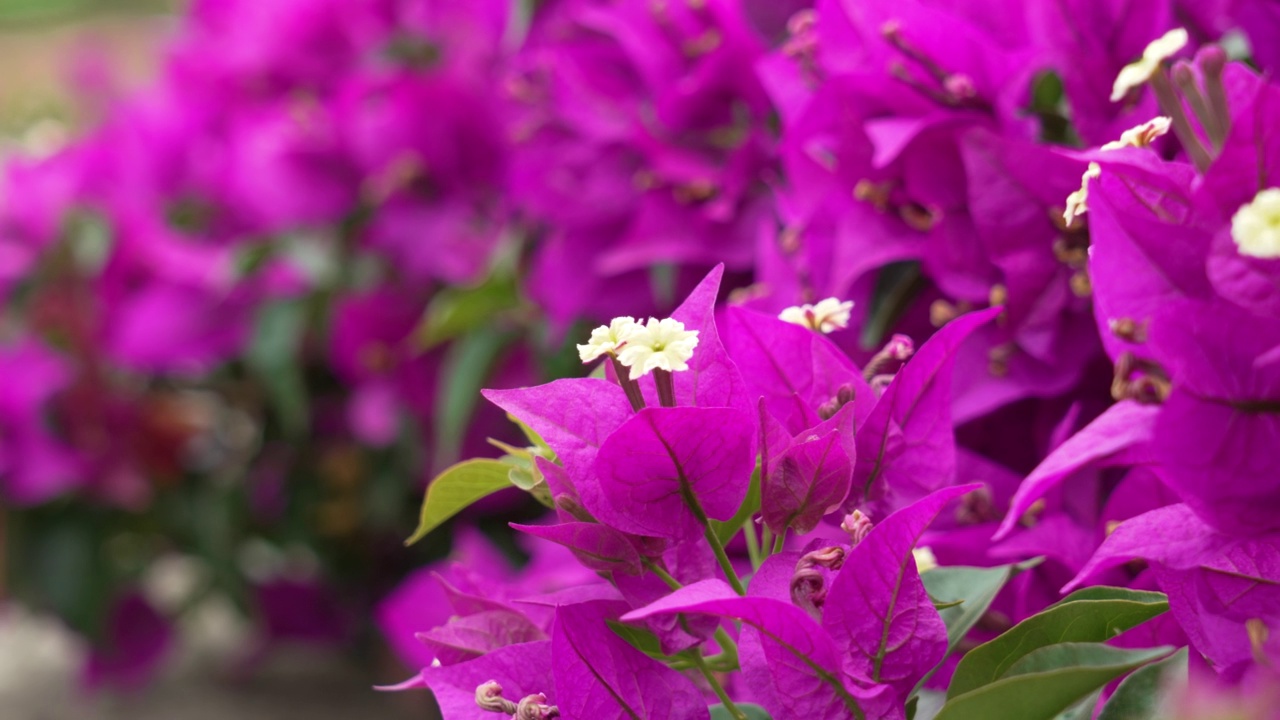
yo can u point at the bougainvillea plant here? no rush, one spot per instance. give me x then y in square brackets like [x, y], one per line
[760, 559]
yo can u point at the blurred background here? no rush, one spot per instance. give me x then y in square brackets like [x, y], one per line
[223, 396]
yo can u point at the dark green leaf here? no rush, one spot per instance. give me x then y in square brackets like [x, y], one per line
[753, 712]
[897, 285]
[457, 488]
[1083, 709]
[1049, 681]
[970, 591]
[1046, 93]
[67, 572]
[1068, 655]
[750, 506]
[1138, 696]
[974, 587]
[1078, 618]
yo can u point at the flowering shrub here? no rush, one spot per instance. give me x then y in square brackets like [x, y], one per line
[916, 316]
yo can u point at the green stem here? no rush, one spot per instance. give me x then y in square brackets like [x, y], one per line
[753, 543]
[658, 570]
[716, 687]
[766, 542]
[629, 386]
[722, 557]
[728, 647]
[708, 532]
[779, 542]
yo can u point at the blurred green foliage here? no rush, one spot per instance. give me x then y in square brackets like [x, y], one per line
[18, 12]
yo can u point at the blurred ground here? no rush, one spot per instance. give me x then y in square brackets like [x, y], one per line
[39, 680]
[44, 43]
[296, 686]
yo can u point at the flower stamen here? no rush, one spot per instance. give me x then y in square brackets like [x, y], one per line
[658, 345]
[1255, 227]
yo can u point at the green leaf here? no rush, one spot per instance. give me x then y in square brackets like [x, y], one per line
[750, 506]
[1106, 592]
[68, 573]
[753, 712]
[975, 588]
[1067, 655]
[941, 605]
[970, 591]
[455, 489]
[535, 440]
[1138, 696]
[1083, 709]
[1092, 615]
[524, 473]
[273, 356]
[1048, 681]
[925, 705]
[1046, 92]
[638, 638]
[897, 284]
[662, 283]
[466, 366]
[455, 311]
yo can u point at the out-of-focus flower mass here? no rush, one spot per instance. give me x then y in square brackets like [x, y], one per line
[908, 317]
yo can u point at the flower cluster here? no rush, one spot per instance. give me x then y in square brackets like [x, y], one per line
[668, 498]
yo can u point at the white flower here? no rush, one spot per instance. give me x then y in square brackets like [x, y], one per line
[925, 559]
[1136, 73]
[658, 345]
[828, 315]
[1142, 135]
[1078, 201]
[607, 338]
[1256, 225]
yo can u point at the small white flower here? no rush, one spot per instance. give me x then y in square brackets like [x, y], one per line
[607, 338]
[1256, 225]
[925, 559]
[658, 345]
[1142, 135]
[1078, 201]
[826, 316]
[1136, 73]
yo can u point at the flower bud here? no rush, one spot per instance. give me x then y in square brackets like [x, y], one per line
[489, 698]
[857, 525]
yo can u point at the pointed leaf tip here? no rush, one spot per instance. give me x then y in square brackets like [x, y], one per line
[455, 489]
